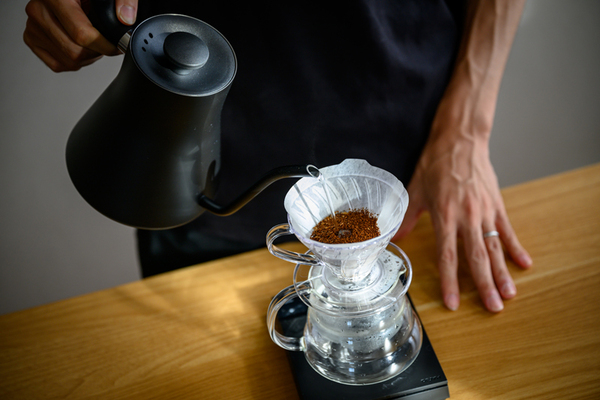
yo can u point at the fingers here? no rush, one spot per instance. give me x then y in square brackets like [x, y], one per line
[485, 267]
[126, 11]
[503, 286]
[447, 262]
[502, 279]
[52, 46]
[486, 262]
[508, 236]
[61, 35]
[77, 28]
[38, 43]
[486, 254]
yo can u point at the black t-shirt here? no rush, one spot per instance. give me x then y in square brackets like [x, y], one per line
[317, 84]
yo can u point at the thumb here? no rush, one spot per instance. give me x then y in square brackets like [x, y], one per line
[126, 11]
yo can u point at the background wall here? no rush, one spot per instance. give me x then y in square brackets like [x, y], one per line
[54, 246]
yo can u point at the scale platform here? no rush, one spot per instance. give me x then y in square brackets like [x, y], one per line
[423, 380]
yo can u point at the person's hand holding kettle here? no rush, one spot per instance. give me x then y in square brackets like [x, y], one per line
[60, 33]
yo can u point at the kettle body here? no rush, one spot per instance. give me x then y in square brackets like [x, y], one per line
[150, 144]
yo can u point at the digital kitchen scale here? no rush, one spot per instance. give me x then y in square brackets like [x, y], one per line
[423, 380]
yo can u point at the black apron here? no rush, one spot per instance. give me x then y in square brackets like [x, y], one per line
[316, 84]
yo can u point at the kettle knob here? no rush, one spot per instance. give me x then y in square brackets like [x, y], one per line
[185, 52]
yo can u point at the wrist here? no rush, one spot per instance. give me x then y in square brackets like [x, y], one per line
[455, 146]
[467, 108]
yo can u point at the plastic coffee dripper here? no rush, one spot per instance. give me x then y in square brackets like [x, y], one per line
[354, 184]
[360, 326]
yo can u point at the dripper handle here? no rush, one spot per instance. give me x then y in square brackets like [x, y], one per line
[287, 255]
[285, 342]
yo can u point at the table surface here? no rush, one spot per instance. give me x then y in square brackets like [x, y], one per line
[200, 332]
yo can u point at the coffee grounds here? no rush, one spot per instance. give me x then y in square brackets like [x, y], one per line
[348, 227]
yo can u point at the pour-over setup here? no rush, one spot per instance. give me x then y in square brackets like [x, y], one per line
[347, 311]
[360, 328]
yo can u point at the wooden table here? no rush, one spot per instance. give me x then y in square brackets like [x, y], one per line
[199, 333]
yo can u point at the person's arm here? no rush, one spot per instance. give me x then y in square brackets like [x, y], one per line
[61, 35]
[454, 179]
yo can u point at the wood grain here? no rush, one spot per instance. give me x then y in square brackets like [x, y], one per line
[200, 332]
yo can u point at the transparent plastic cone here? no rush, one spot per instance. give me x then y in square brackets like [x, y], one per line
[353, 184]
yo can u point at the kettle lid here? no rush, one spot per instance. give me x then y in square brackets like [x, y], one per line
[183, 55]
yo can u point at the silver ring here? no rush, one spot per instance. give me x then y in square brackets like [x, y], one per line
[490, 234]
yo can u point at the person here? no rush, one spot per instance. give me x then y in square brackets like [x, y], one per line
[409, 86]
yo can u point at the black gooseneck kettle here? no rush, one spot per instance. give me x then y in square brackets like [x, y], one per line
[147, 152]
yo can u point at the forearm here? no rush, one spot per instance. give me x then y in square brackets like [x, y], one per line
[469, 102]
[461, 129]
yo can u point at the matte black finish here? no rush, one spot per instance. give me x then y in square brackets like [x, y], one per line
[185, 51]
[423, 380]
[103, 16]
[149, 148]
[141, 155]
[183, 55]
[291, 171]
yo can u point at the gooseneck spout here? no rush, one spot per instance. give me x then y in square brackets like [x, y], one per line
[290, 171]
[151, 142]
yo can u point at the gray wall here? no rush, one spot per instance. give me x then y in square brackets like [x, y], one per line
[547, 119]
[54, 246]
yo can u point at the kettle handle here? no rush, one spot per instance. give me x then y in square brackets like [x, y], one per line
[103, 16]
